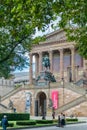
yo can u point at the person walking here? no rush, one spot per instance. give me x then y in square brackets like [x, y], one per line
[4, 122]
[62, 120]
[53, 115]
[59, 123]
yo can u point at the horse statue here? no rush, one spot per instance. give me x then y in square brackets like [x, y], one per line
[46, 62]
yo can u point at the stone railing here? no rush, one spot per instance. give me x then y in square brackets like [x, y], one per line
[6, 82]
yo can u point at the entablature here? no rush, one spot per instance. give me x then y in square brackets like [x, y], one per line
[52, 47]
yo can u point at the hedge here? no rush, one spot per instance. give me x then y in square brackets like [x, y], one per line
[71, 119]
[10, 124]
[26, 123]
[44, 121]
[16, 116]
[34, 122]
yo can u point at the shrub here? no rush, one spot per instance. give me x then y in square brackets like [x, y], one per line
[44, 121]
[26, 123]
[10, 124]
[16, 116]
[71, 119]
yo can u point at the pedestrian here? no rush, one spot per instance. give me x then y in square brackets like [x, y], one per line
[53, 115]
[4, 122]
[62, 120]
[59, 123]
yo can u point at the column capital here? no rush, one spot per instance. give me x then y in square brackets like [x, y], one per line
[61, 50]
[72, 48]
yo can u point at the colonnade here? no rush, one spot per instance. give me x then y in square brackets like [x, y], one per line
[38, 63]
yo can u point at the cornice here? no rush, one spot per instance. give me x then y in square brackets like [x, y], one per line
[52, 46]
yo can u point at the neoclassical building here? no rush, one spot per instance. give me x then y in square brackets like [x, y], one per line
[68, 94]
[64, 59]
[67, 66]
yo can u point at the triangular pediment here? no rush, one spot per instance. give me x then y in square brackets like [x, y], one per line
[56, 36]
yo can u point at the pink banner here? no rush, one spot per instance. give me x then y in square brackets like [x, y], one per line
[54, 96]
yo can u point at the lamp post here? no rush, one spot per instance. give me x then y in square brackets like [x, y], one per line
[63, 90]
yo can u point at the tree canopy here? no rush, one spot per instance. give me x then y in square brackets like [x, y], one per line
[18, 22]
[73, 14]
[20, 18]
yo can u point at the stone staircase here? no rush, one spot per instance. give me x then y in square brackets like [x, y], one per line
[71, 86]
[11, 93]
[3, 108]
[75, 88]
[6, 89]
[71, 104]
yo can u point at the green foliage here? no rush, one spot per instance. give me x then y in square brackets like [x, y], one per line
[20, 19]
[16, 116]
[10, 124]
[73, 15]
[71, 119]
[44, 121]
[26, 123]
[18, 23]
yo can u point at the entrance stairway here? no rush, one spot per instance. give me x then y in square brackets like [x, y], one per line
[77, 89]
[71, 104]
[71, 86]
[3, 108]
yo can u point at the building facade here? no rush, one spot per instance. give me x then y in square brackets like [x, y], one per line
[64, 59]
[66, 65]
[67, 94]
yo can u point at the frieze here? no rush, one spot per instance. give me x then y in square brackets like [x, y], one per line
[52, 47]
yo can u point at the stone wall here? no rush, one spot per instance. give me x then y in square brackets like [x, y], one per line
[19, 100]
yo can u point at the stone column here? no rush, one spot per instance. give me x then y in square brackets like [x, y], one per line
[40, 62]
[73, 63]
[51, 61]
[76, 72]
[85, 67]
[61, 63]
[36, 65]
[30, 70]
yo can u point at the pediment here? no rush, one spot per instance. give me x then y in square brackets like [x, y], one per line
[56, 36]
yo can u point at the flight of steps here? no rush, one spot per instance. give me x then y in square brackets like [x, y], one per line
[77, 89]
[71, 104]
[70, 86]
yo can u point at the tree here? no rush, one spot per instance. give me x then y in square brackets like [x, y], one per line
[20, 18]
[73, 14]
[18, 22]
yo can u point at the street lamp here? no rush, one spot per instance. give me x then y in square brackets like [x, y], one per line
[63, 89]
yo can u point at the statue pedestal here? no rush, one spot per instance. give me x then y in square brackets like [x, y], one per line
[44, 78]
